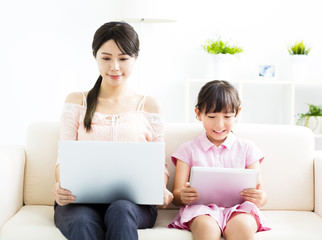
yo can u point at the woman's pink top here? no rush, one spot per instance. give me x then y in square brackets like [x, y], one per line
[134, 126]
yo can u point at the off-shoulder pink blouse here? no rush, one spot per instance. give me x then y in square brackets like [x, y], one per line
[133, 126]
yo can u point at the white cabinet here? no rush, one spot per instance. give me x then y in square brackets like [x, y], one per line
[265, 101]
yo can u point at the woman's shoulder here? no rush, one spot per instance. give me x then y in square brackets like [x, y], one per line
[75, 98]
[152, 105]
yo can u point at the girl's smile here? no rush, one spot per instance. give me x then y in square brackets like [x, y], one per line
[217, 124]
[218, 132]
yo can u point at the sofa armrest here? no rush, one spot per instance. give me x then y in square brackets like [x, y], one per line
[12, 166]
[318, 182]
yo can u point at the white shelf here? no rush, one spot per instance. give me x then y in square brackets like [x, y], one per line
[263, 81]
[264, 100]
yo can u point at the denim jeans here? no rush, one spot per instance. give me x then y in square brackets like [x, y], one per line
[118, 220]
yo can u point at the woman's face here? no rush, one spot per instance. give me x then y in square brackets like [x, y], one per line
[114, 66]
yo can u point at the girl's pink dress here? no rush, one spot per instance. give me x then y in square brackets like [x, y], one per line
[134, 126]
[232, 153]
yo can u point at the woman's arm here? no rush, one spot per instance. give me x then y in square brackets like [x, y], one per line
[68, 132]
[257, 196]
[168, 196]
[182, 192]
[152, 105]
[62, 196]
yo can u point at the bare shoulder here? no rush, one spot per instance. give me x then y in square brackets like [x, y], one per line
[75, 97]
[152, 105]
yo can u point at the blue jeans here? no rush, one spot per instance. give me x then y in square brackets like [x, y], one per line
[118, 220]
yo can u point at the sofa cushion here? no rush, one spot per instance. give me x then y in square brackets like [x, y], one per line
[12, 167]
[36, 223]
[295, 225]
[32, 222]
[287, 168]
[41, 155]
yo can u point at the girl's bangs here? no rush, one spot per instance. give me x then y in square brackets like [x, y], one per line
[223, 103]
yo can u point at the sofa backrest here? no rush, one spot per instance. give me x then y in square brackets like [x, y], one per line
[41, 156]
[287, 169]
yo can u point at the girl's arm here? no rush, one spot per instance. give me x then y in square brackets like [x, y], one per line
[257, 196]
[182, 192]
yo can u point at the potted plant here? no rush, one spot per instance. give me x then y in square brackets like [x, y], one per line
[299, 48]
[312, 119]
[223, 53]
[299, 61]
[220, 47]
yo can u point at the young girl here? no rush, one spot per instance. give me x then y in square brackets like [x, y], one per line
[110, 111]
[217, 108]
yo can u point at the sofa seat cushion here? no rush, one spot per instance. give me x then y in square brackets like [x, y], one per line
[33, 222]
[286, 225]
[296, 225]
[160, 231]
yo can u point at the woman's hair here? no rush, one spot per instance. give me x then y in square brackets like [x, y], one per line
[127, 41]
[218, 96]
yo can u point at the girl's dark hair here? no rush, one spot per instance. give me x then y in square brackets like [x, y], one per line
[127, 41]
[218, 96]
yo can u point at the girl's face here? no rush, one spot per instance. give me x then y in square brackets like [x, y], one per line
[217, 125]
[114, 66]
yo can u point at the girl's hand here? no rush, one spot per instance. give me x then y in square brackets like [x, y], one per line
[62, 196]
[168, 197]
[254, 195]
[188, 194]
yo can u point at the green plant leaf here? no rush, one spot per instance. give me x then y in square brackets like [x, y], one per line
[219, 46]
[299, 48]
[314, 111]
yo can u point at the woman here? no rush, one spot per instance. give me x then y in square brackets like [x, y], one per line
[110, 111]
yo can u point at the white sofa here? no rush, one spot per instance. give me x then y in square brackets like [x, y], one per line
[292, 176]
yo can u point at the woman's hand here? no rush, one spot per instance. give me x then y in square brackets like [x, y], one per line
[168, 197]
[255, 195]
[62, 196]
[188, 194]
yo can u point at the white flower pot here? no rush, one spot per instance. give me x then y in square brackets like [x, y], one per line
[314, 123]
[299, 68]
[223, 66]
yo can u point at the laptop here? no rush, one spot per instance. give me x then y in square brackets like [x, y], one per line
[222, 186]
[103, 172]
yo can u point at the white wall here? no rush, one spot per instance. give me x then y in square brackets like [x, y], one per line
[45, 50]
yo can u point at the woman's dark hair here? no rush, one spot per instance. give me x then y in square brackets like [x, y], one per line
[127, 41]
[218, 96]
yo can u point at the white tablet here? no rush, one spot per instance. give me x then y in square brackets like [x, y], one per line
[222, 186]
[103, 172]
